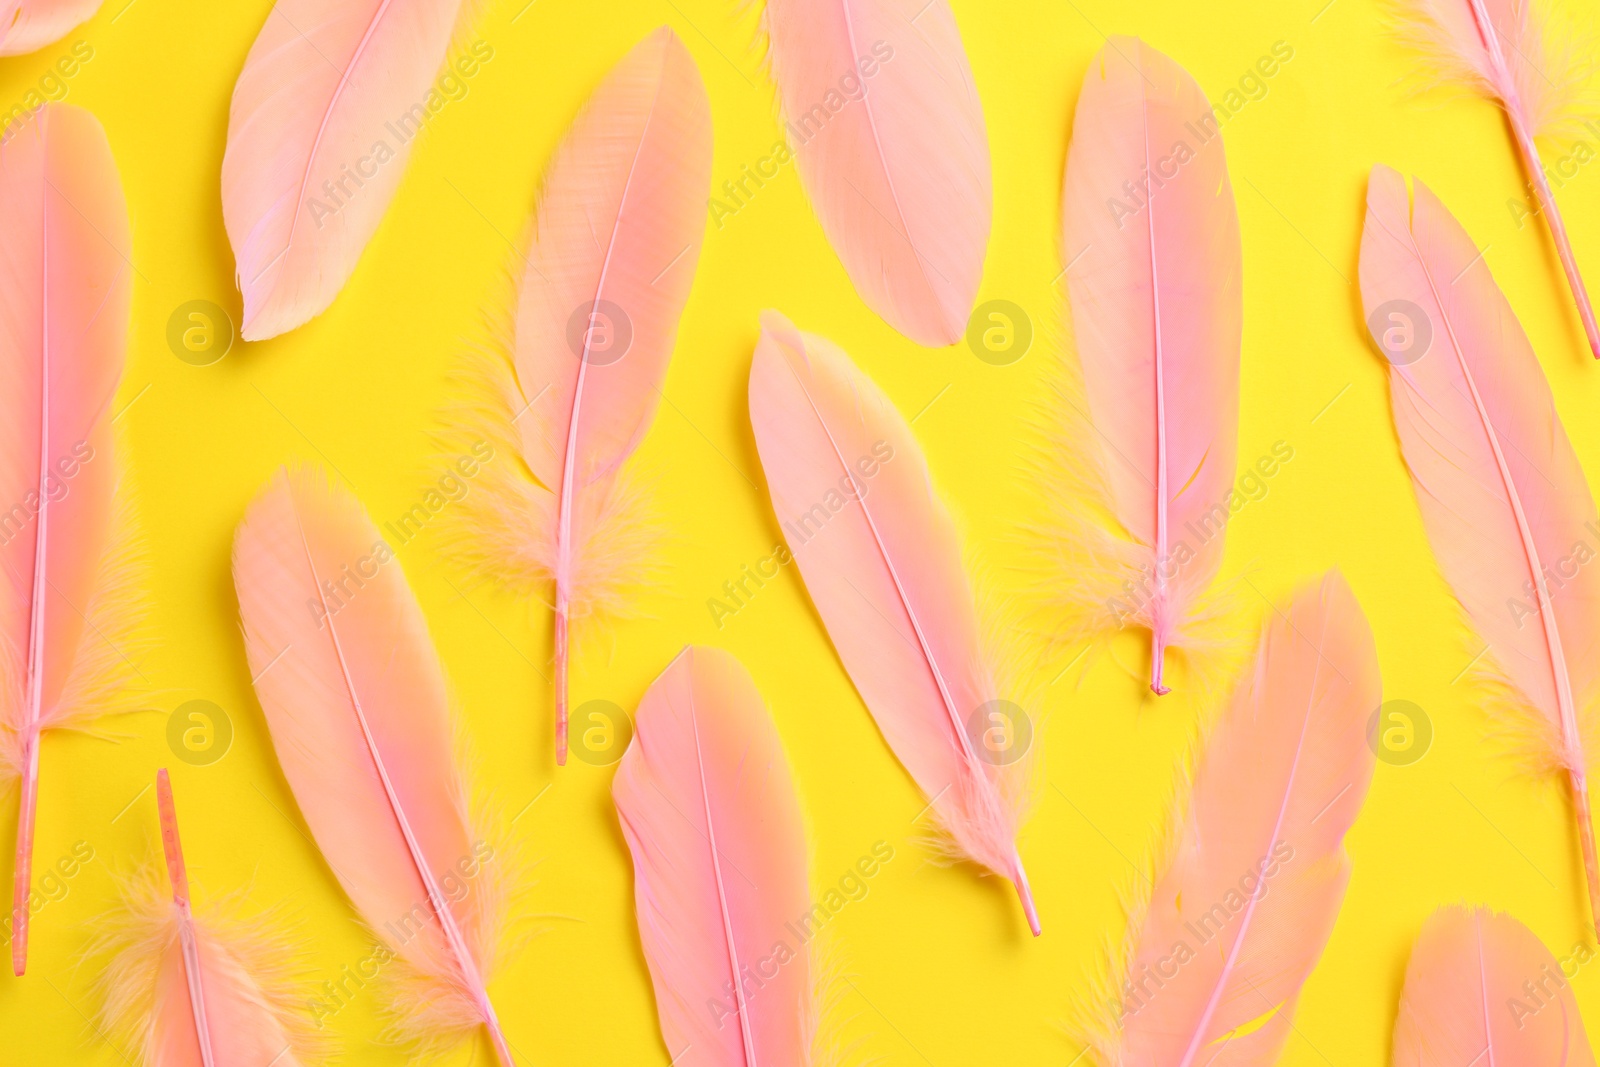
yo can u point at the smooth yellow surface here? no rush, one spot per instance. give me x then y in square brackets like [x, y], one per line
[939, 967]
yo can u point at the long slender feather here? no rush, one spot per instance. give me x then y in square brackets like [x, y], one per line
[603, 287]
[1504, 500]
[712, 818]
[1241, 912]
[28, 25]
[887, 131]
[188, 989]
[1481, 988]
[64, 290]
[357, 706]
[880, 558]
[1151, 246]
[324, 112]
[1504, 50]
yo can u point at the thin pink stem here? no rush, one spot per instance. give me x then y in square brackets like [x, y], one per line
[1558, 230]
[178, 874]
[1025, 894]
[1158, 656]
[561, 676]
[1591, 867]
[22, 877]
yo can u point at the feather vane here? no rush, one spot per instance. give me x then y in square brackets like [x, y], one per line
[883, 567]
[356, 703]
[710, 812]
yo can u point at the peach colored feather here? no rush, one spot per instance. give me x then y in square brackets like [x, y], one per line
[711, 815]
[304, 184]
[64, 290]
[1242, 910]
[1481, 988]
[28, 25]
[1151, 247]
[1504, 500]
[1505, 50]
[356, 702]
[187, 991]
[880, 557]
[604, 284]
[888, 135]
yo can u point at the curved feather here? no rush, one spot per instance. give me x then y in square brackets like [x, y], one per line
[1503, 498]
[887, 130]
[356, 703]
[326, 83]
[1242, 911]
[28, 25]
[1481, 988]
[1504, 50]
[1151, 243]
[64, 290]
[605, 282]
[710, 812]
[881, 560]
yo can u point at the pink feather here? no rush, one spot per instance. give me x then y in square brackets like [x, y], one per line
[1151, 245]
[188, 991]
[28, 25]
[356, 703]
[712, 818]
[883, 567]
[887, 131]
[1503, 50]
[606, 279]
[326, 83]
[1242, 911]
[1467, 999]
[1503, 498]
[64, 289]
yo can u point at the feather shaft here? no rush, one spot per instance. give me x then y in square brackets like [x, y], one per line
[172, 847]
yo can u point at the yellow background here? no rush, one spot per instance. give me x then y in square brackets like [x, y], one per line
[940, 968]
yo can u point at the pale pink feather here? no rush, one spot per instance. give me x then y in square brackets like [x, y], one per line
[606, 279]
[888, 135]
[880, 557]
[361, 721]
[1241, 912]
[1504, 500]
[710, 813]
[1482, 989]
[28, 25]
[64, 290]
[1504, 50]
[1151, 247]
[206, 1008]
[303, 185]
